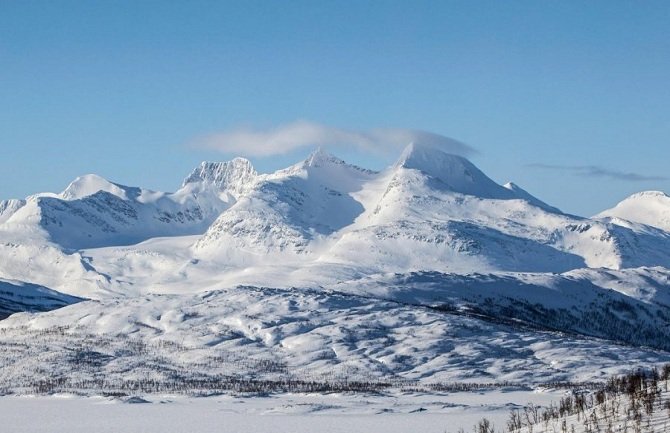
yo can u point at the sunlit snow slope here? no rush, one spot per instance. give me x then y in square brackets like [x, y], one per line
[648, 207]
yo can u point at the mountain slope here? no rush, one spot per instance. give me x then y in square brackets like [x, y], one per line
[16, 296]
[215, 341]
[525, 195]
[577, 302]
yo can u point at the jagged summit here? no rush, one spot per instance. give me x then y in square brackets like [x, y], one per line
[9, 207]
[326, 166]
[320, 157]
[655, 194]
[234, 175]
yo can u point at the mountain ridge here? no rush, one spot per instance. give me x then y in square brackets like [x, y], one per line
[310, 204]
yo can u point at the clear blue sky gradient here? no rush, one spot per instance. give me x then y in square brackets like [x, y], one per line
[120, 88]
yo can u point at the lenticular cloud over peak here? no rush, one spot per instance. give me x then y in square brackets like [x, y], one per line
[291, 136]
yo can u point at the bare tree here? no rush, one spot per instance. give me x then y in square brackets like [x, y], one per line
[484, 426]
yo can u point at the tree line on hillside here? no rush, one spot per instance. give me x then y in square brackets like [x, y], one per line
[633, 403]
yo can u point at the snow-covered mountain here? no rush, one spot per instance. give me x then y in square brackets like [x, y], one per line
[430, 211]
[648, 207]
[291, 211]
[430, 233]
[94, 212]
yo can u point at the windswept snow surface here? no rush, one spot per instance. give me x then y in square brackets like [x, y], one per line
[427, 271]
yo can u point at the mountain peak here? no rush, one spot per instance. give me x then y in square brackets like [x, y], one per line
[428, 158]
[647, 207]
[648, 194]
[89, 184]
[455, 171]
[229, 175]
[320, 157]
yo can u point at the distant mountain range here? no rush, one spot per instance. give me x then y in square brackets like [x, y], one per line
[433, 201]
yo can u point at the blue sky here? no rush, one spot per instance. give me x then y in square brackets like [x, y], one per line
[568, 99]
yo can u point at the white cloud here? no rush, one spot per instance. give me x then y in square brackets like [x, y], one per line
[299, 134]
[598, 171]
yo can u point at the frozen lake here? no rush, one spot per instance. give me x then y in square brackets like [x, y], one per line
[283, 413]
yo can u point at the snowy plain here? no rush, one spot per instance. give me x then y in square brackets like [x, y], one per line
[282, 413]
